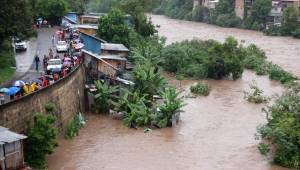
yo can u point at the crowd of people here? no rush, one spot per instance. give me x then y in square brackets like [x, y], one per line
[70, 59]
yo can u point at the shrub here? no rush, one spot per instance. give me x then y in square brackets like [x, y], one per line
[255, 95]
[49, 107]
[41, 140]
[263, 148]
[296, 33]
[200, 89]
[73, 127]
[274, 31]
[228, 20]
[282, 130]
[277, 73]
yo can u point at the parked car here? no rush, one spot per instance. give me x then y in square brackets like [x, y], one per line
[62, 46]
[54, 65]
[20, 45]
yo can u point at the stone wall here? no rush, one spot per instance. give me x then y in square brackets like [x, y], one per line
[67, 94]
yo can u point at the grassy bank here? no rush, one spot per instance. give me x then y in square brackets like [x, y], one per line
[6, 74]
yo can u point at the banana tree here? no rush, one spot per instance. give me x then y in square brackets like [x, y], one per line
[173, 104]
[148, 80]
[104, 96]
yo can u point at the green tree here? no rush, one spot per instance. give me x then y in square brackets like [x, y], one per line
[136, 9]
[52, 10]
[112, 27]
[225, 7]
[41, 140]
[103, 6]
[104, 96]
[16, 19]
[76, 5]
[290, 20]
[260, 10]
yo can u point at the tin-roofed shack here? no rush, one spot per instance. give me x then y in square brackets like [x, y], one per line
[11, 150]
[114, 49]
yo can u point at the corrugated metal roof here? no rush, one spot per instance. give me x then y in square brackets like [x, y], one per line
[114, 47]
[7, 136]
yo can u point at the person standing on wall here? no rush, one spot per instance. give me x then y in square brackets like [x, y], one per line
[37, 62]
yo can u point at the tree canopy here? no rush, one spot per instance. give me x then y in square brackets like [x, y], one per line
[112, 27]
[16, 19]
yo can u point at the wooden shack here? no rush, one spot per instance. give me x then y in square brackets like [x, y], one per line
[11, 150]
[114, 49]
[104, 65]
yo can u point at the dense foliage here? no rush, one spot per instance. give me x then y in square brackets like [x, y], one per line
[204, 59]
[41, 140]
[113, 28]
[200, 89]
[103, 96]
[148, 80]
[136, 9]
[259, 13]
[282, 131]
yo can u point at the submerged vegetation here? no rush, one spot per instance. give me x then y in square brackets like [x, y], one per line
[200, 89]
[255, 95]
[204, 59]
[281, 132]
[72, 129]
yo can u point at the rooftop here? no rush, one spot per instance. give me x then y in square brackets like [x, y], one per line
[114, 47]
[7, 136]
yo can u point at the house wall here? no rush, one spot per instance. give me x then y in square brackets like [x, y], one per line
[239, 8]
[106, 69]
[91, 43]
[67, 94]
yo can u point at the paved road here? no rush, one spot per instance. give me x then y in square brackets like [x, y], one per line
[25, 60]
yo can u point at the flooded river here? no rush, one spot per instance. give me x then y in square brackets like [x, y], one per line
[215, 132]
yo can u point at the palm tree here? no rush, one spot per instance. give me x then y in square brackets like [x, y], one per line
[104, 96]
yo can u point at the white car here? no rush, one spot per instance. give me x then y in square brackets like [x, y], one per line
[20, 45]
[62, 46]
[54, 65]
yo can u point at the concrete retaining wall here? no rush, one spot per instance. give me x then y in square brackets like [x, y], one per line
[67, 94]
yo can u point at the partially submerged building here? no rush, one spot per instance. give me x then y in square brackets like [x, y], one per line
[11, 149]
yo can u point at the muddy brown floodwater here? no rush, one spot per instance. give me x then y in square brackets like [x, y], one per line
[215, 132]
